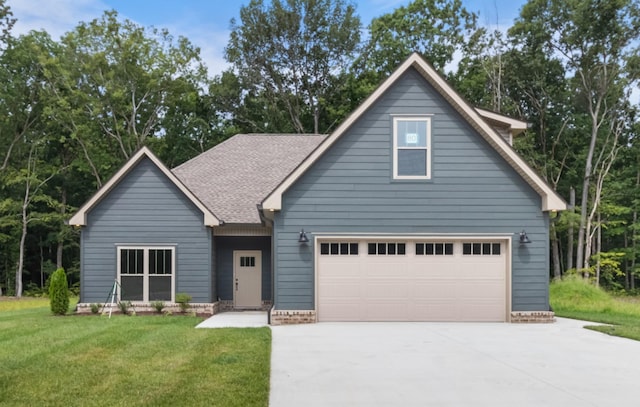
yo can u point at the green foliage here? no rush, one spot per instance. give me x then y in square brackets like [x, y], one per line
[183, 300]
[158, 306]
[574, 293]
[610, 269]
[95, 308]
[124, 307]
[59, 292]
[288, 54]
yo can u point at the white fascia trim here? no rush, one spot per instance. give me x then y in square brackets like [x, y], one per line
[516, 126]
[80, 217]
[550, 200]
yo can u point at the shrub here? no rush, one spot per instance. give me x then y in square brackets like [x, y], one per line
[59, 292]
[95, 308]
[124, 307]
[158, 306]
[183, 300]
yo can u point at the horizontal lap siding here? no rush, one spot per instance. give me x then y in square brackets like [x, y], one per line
[224, 247]
[351, 190]
[146, 208]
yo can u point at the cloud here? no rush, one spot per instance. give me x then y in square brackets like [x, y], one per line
[55, 17]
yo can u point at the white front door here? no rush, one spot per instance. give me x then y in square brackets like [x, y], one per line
[247, 278]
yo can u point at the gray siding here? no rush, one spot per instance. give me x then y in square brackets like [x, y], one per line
[145, 208]
[224, 247]
[351, 190]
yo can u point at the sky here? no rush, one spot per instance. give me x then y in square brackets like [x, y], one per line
[205, 22]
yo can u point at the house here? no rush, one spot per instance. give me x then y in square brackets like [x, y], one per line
[416, 208]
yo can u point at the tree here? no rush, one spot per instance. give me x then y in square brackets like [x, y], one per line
[434, 28]
[595, 41]
[288, 54]
[59, 292]
[113, 85]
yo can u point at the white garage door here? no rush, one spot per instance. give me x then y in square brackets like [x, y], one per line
[412, 280]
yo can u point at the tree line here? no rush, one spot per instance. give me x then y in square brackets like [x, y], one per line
[73, 110]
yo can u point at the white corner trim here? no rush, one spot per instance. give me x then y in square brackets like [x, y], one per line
[550, 200]
[80, 217]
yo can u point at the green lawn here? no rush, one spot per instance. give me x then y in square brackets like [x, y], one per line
[127, 360]
[574, 298]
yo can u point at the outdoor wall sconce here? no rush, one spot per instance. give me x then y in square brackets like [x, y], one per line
[303, 237]
[524, 239]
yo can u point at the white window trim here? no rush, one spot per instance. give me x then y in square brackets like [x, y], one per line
[145, 264]
[395, 146]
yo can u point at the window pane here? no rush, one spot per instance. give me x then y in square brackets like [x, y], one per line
[439, 249]
[353, 248]
[477, 248]
[324, 248]
[496, 249]
[344, 248]
[448, 249]
[131, 288]
[159, 288]
[466, 248]
[391, 248]
[372, 248]
[131, 261]
[401, 248]
[411, 133]
[334, 248]
[419, 248]
[412, 162]
[486, 248]
[382, 248]
[429, 248]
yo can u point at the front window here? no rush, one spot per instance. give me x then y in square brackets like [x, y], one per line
[146, 273]
[412, 147]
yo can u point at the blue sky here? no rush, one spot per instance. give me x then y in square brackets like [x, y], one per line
[205, 22]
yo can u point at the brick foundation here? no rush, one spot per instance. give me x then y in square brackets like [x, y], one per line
[200, 308]
[282, 317]
[532, 317]
[227, 305]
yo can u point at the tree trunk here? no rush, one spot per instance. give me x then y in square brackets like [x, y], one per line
[584, 203]
[598, 249]
[572, 207]
[23, 238]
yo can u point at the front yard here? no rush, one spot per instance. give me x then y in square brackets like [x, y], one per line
[127, 360]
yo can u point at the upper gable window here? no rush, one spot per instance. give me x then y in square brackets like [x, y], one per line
[411, 147]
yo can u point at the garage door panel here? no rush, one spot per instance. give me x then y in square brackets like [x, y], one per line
[413, 287]
[386, 289]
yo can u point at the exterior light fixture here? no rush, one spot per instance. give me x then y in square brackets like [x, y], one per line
[303, 237]
[524, 239]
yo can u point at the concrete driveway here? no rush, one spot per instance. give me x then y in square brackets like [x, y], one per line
[452, 364]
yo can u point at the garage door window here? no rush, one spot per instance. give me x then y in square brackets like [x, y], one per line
[389, 249]
[339, 248]
[434, 249]
[481, 249]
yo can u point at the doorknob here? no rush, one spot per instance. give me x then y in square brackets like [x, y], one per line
[236, 284]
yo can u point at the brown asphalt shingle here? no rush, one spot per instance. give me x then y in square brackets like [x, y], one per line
[237, 174]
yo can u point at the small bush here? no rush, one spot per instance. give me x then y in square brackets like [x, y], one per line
[158, 306]
[59, 292]
[183, 300]
[124, 307]
[95, 308]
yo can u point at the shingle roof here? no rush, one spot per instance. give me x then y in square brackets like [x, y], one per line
[236, 175]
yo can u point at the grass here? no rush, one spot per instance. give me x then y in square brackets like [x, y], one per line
[132, 361]
[575, 298]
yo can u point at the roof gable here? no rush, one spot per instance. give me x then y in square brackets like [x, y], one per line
[80, 217]
[550, 200]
